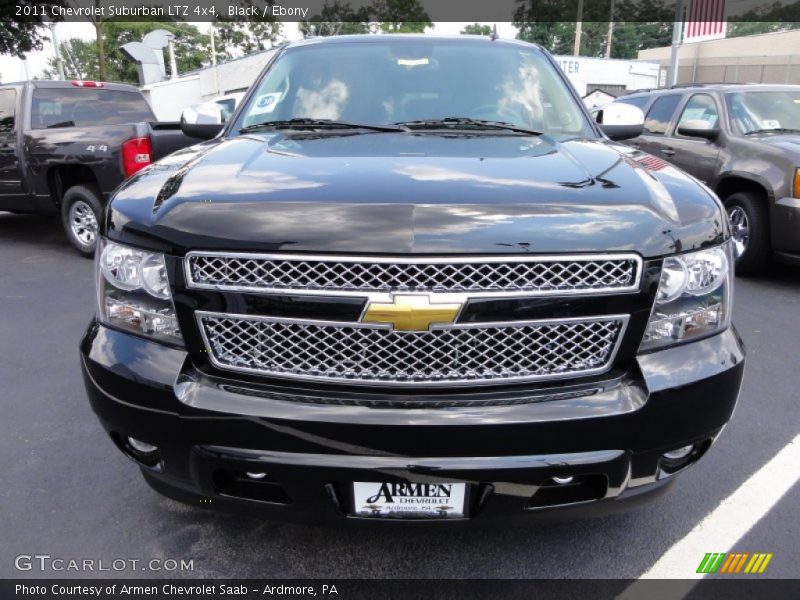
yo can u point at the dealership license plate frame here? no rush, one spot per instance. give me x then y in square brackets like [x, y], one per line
[458, 505]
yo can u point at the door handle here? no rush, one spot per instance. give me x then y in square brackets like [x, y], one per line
[668, 152]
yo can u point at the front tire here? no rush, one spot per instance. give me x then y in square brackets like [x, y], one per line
[81, 211]
[747, 212]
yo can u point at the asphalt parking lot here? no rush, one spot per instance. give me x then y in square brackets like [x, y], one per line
[67, 492]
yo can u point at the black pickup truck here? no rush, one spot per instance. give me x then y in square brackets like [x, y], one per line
[65, 145]
[410, 278]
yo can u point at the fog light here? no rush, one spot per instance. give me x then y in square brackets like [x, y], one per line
[141, 446]
[679, 453]
[563, 480]
[252, 475]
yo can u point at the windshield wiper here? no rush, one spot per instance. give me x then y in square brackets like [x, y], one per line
[61, 124]
[466, 123]
[774, 130]
[304, 123]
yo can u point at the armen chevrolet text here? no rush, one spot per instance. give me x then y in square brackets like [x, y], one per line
[410, 279]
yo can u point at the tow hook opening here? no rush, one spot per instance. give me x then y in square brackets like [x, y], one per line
[249, 485]
[140, 451]
[569, 489]
[679, 458]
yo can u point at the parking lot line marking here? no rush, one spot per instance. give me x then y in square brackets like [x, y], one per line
[723, 527]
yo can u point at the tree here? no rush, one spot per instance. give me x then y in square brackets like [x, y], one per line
[400, 16]
[79, 58]
[82, 60]
[477, 29]
[236, 38]
[240, 38]
[545, 22]
[19, 35]
[336, 18]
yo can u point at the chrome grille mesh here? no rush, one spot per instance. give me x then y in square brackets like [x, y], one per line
[354, 353]
[507, 275]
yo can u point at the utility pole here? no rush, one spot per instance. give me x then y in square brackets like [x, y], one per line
[57, 49]
[578, 29]
[677, 31]
[211, 33]
[610, 34]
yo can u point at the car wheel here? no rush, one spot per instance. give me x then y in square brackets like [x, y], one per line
[81, 211]
[747, 212]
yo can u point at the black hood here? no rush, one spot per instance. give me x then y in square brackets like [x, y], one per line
[405, 193]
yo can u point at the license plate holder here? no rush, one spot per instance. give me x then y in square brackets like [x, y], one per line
[409, 500]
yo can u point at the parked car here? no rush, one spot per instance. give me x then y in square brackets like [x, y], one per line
[743, 141]
[65, 145]
[412, 278]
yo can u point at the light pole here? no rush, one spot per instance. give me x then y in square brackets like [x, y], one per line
[677, 30]
[57, 50]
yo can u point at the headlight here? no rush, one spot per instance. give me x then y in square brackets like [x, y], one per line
[694, 299]
[133, 292]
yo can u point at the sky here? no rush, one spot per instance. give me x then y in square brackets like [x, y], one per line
[14, 69]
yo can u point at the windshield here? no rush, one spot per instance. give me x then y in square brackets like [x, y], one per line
[764, 111]
[379, 83]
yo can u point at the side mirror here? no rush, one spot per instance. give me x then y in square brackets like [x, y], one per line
[620, 121]
[698, 128]
[202, 121]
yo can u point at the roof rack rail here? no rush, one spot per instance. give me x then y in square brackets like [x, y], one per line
[709, 84]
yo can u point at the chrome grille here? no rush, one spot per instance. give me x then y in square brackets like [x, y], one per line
[526, 275]
[453, 354]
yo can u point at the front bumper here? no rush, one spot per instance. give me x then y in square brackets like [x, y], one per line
[608, 434]
[785, 224]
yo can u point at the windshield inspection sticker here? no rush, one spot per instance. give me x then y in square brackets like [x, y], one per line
[266, 103]
[771, 124]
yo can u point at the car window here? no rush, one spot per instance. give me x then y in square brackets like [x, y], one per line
[660, 114]
[701, 107]
[382, 83]
[638, 102]
[8, 109]
[82, 107]
[764, 111]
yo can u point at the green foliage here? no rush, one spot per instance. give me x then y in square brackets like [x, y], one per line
[192, 51]
[477, 29]
[235, 39]
[547, 22]
[336, 18]
[19, 35]
[401, 16]
[79, 58]
[240, 38]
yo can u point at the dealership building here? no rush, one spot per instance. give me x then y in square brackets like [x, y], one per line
[765, 58]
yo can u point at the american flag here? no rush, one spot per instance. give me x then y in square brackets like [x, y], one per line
[705, 20]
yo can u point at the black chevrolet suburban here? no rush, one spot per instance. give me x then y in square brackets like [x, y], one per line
[65, 146]
[412, 279]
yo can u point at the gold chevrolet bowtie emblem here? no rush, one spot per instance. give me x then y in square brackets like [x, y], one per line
[411, 313]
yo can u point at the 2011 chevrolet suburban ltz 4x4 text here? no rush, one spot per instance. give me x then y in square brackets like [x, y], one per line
[412, 279]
